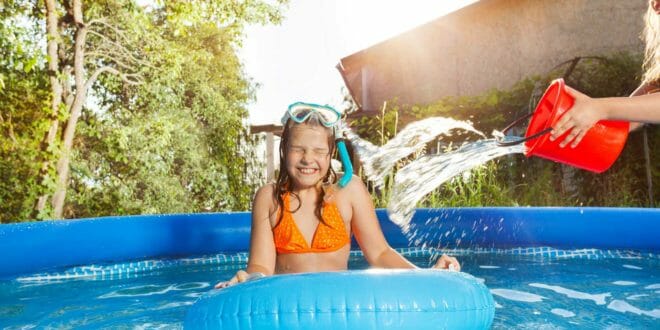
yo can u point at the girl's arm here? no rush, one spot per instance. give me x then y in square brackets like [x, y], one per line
[262, 246]
[587, 111]
[370, 237]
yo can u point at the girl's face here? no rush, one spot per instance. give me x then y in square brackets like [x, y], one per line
[308, 155]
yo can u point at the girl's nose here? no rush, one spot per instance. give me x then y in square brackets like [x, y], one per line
[305, 157]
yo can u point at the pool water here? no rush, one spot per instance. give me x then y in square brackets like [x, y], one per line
[537, 288]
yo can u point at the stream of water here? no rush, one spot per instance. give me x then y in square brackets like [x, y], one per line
[427, 171]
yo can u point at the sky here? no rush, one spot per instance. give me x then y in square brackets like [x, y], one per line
[295, 61]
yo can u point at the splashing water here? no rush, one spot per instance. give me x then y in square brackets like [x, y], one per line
[426, 173]
[377, 162]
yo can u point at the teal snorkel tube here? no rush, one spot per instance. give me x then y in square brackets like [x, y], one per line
[345, 162]
[343, 156]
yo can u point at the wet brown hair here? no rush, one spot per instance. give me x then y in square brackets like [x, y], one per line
[283, 184]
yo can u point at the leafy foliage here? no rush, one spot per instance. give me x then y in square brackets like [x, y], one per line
[177, 142]
[24, 111]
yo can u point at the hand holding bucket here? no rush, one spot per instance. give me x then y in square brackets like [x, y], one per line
[597, 151]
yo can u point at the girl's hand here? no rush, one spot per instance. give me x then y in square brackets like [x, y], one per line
[447, 262]
[241, 276]
[584, 114]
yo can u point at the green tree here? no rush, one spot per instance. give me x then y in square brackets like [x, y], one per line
[23, 110]
[167, 114]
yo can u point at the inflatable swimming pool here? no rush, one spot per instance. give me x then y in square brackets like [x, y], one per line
[48, 247]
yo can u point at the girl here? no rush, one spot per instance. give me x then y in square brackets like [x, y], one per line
[302, 223]
[645, 108]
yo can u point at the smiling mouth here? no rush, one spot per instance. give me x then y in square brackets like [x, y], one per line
[308, 170]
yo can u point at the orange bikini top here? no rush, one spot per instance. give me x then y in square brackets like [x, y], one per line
[330, 233]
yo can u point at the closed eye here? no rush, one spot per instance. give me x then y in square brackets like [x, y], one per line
[321, 151]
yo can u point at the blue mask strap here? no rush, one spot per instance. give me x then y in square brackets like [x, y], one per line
[345, 162]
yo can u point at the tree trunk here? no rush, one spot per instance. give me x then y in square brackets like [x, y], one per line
[74, 113]
[53, 37]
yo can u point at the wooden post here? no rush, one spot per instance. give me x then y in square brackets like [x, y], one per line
[270, 160]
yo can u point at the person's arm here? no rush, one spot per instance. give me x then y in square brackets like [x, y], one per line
[370, 236]
[262, 246]
[642, 89]
[587, 111]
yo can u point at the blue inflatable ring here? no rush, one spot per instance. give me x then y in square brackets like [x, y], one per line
[364, 299]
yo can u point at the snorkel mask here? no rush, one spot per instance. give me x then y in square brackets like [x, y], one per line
[300, 112]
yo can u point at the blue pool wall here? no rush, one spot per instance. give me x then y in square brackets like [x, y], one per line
[27, 248]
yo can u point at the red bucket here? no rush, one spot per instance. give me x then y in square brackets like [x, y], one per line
[597, 151]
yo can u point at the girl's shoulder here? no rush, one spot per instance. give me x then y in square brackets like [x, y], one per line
[267, 189]
[266, 196]
[356, 185]
[355, 182]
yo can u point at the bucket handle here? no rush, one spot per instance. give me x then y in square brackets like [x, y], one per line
[502, 143]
